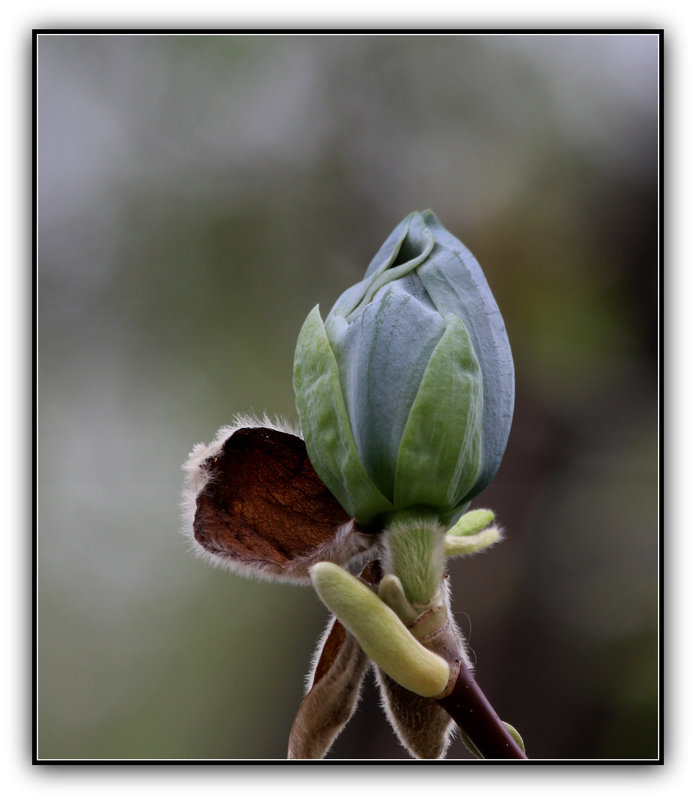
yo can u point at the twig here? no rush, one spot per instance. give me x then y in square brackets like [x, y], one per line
[469, 708]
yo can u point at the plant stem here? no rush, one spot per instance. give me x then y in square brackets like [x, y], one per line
[415, 553]
[469, 708]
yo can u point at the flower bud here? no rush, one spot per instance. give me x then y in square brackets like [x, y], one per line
[405, 392]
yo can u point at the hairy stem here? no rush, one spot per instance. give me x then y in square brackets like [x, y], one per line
[415, 553]
[415, 557]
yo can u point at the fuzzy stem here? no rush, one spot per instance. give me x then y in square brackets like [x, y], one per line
[469, 708]
[415, 553]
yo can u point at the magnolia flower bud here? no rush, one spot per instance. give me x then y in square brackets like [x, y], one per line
[405, 392]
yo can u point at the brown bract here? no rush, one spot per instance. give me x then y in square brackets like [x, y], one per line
[261, 507]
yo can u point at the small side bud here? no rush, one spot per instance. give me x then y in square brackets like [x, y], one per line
[465, 545]
[470, 746]
[472, 522]
[515, 735]
[471, 533]
[392, 592]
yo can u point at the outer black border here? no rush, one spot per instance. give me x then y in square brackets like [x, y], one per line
[34, 401]
[661, 394]
[36, 32]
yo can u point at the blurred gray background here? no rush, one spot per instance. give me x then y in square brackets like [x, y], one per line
[197, 195]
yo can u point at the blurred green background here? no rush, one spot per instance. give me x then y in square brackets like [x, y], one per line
[197, 195]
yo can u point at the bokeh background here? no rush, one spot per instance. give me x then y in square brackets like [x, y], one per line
[197, 195]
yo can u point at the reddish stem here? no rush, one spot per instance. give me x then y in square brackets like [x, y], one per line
[469, 708]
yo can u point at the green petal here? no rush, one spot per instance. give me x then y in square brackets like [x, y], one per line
[439, 456]
[324, 421]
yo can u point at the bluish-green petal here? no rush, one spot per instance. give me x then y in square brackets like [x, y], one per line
[455, 282]
[382, 355]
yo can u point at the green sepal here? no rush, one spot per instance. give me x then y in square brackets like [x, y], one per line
[440, 453]
[325, 425]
